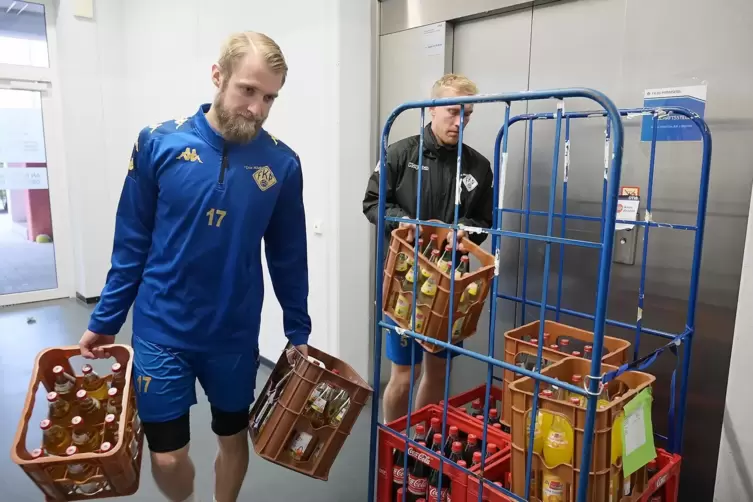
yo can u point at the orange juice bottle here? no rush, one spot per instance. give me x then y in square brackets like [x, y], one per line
[111, 429]
[543, 423]
[95, 385]
[90, 408]
[558, 449]
[614, 480]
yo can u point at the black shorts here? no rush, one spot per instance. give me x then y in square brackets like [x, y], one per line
[172, 435]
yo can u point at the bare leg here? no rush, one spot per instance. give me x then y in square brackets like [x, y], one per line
[230, 466]
[397, 392]
[431, 390]
[174, 473]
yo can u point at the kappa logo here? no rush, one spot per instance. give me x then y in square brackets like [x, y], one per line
[190, 155]
[264, 178]
[414, 166]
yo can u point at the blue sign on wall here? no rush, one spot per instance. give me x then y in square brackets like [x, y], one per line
[674, 127]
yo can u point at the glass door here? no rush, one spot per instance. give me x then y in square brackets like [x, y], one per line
[35, 253]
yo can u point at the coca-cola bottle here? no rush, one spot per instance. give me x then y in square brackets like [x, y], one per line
[398, 461]
[471, 448]
[418, 479]
[434, 428]
[451, 439]
[434, 490]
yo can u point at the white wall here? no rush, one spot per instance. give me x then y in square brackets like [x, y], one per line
[141, 62]
[734, 472]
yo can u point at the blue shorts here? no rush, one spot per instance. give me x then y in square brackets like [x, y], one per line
[165, 380]
[399, 347]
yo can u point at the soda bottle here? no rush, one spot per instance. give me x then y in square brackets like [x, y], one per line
[111, 429]
[564, 345]
[434, 256]
[434, 495]
[403, 305]
[93, 383]
[543, 422]
[491, 449]
[471, 447]
[114, 402]
[445, 262]
[476, 459]
[469, 297]
[80, 472]
[118, 377]
[431, 246]
[477, 408]
[418, 479]
[463, 267]
[576, 353]
[55, 471]
[60, 409]
[65, 384]
[577, 380]
[494, 416]
[558, 449]
[575, 401]
[554, 346]
[420, 245]
[398, 496]
[588, 351]
[55, 439]
[85, 436]
[317, 410]
[90, 408]
[434, 429]
[451, 439]
[425, 300]
[398, 461]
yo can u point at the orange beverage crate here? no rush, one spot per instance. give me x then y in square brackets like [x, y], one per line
[624, 387]
[115, 473]
[389, 442]
[435, 323]
[615, 351]
[286, 410]
[498, 473]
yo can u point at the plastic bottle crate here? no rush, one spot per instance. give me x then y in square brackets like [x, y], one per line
[461, 401]
[615, 351]
[626, 386]
[496, 473]
[436, 322]
[117, 472]
[389, 442]
[288, 419]
[665, 482]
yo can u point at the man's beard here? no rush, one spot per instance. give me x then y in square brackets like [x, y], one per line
[234, 127]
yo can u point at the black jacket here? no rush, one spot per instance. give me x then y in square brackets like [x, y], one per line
[438, 180]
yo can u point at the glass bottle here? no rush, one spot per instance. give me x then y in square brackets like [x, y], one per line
[60, 409]
[90, 408]
[431, 246]
[55, 439]
[85, 436]
[79, 472]
[93, 383]
[111, 429]
[118, 377]
[65, 384]
[114, 402]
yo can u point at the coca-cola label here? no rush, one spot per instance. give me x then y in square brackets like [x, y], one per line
[397, 474]
[417, 486]
[419, 455]
[433, 495]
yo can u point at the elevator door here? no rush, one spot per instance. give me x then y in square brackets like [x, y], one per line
[507, 38]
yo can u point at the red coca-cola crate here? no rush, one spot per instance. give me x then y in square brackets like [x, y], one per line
[497, 472]
[462, 401]
[388, 442]
[666, 482]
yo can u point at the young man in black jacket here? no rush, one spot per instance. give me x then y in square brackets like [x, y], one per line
[437, 202]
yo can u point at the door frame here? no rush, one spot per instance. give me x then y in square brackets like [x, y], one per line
[46, 81]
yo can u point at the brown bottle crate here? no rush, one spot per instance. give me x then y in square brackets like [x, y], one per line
[615, 352]
[436, 323]
[117, 472]
[625, 387]
[288, 416]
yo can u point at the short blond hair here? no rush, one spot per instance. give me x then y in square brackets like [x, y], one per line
[239, 45]
[459, 83]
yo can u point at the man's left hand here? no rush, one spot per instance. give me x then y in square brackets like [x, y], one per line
[461, 236]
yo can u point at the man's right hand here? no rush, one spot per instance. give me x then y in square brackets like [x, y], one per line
[411, 230]
[91, 345]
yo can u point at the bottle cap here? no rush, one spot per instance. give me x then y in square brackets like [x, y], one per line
[480, 417]
[435, 423]
[420, 429]
[448, 247]
[497, 426]
[58, 370]
[77, 421]
[457, 447]
[336, 372]
[589, 348]
[565, 342]
[71, 450]
[546, 393]
[554, 346]
[37, 453]
[435, 252]
[454, 431]
[577, 378]
[87, 369]
[477, 404]
[535, 341]
[437, 438]
[476, 457]
[493, 413]
[652, 465]
[106, 446]
[546, 336]
[52, 396]
[575, 400]
[434, 237]
[110, 418]
[465, 258]
[45, 424]
[81, 394]
[116, 368]
[491, 448]
[463, 463]
[423, 443]
[576, 353]
[472, 439]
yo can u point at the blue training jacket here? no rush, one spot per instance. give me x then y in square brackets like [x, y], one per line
[192, 215]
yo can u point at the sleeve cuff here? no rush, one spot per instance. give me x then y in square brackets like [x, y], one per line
[298, 339]
[101, 328]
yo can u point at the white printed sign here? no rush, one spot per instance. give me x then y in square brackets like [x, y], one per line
[627, 209]
[23, 178]
[433, 39]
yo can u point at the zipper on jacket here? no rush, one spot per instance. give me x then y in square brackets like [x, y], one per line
[223, 165]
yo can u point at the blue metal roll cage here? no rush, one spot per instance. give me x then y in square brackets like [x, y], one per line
[612, 172]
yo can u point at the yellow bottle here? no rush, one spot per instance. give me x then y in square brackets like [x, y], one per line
[614, 480]
[55, 438]
[95, 385]
[558, 449]
[543, 423]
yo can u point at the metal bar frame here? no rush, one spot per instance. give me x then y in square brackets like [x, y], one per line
[614, 140]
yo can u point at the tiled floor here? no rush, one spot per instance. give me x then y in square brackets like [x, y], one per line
[25, 330]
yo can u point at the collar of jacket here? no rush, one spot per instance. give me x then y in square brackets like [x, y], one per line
[431, 144]
[208, 133]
